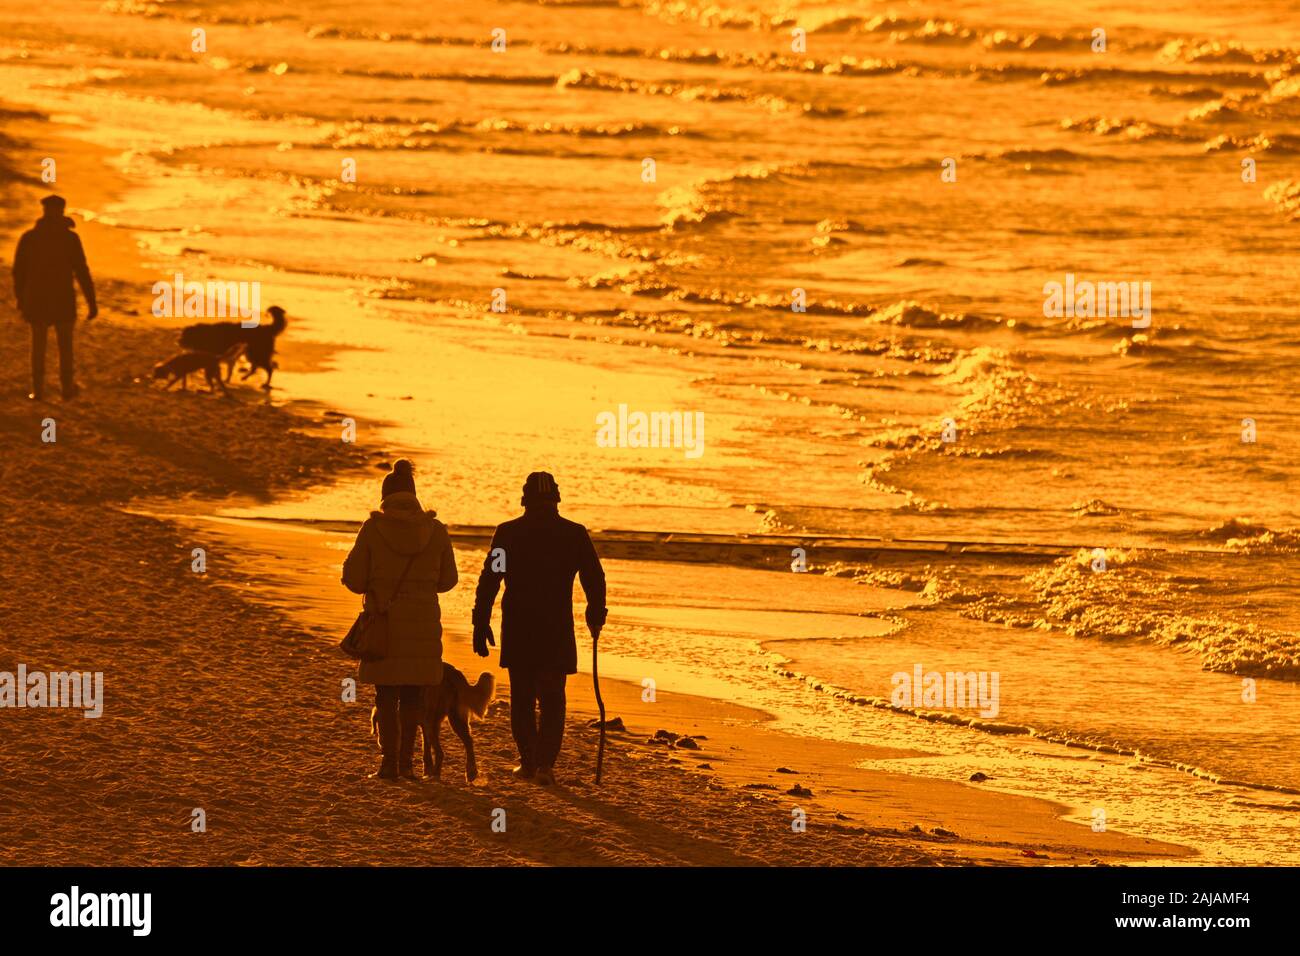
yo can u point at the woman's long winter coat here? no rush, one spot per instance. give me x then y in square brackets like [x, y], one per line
[384, 544]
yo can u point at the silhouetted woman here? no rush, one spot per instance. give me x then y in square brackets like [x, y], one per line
[402, 533]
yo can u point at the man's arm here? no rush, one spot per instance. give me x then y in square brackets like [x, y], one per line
[82, 271]
[592, 576]
[485, 595]
[21, 260]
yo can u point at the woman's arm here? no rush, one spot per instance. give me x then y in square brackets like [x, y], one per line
[356, 567]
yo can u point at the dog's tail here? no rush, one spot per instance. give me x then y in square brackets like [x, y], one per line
[481, 694]
[278, 321]
[374, 721]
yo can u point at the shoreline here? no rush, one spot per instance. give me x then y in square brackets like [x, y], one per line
[763, 551]
[195, 443]
[740, 748]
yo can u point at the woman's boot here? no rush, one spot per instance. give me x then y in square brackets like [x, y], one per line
[386, 720]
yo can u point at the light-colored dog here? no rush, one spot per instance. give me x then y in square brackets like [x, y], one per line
[455, 699]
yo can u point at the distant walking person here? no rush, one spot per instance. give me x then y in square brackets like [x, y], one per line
[49, 256]
[537, 556]
[402, 544]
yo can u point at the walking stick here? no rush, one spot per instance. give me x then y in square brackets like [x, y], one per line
[595, 681]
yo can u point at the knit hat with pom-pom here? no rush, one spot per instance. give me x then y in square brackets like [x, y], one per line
[401, 478]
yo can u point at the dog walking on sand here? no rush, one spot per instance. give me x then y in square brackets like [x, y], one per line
[180, 367]
[454, 700]
[231, 340]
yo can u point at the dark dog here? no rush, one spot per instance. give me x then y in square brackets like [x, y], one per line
[181, 367]
[454, 700]
[257, 344]
[232, 356]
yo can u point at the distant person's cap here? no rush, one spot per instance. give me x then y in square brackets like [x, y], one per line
[54, 203]
[541, 486]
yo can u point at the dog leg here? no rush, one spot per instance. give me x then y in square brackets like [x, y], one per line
[427, 733]
[460, 724]
[436, 721]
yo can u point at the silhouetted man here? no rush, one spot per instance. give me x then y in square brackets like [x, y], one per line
[537, 555]
[48, 258]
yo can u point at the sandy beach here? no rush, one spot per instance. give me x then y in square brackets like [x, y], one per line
[892, 460]
[223, 689]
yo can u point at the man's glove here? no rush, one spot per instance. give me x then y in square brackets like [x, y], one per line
[596, 620]
[482, 638]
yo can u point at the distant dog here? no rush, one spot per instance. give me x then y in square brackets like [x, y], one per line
[232, 356]
[180, 367]
[256, 344]
[454, 700]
